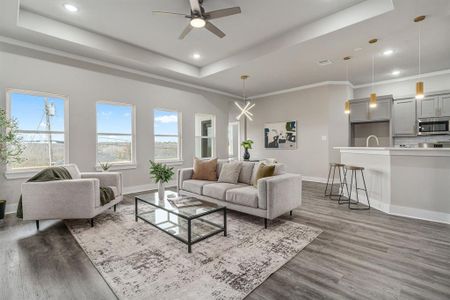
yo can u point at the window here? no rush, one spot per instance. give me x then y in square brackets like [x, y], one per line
[167, 133]
[115, 133]
[205, 135]
[41, 124]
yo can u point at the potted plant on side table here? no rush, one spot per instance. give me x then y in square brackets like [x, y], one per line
[161, 174]
[247, 144]
[11, 147]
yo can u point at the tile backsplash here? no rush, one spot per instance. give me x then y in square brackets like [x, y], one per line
[413, 141]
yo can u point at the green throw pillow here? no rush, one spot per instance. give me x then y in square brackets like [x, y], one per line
[263, 171]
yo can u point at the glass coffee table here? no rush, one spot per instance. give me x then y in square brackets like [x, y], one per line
[189, 225]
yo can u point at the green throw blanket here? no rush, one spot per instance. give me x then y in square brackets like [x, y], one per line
[61, 173]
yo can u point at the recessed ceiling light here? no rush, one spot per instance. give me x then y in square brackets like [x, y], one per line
[388, 52]
[70, 7]
[196, 56]
[357, 49]
[324, 62]
[395, 73]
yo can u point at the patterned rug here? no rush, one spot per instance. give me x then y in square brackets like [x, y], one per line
[139, 261]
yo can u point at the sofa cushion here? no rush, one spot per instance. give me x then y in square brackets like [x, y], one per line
[73, 170]
[246, 196]
[205, 169]
[230, 172]
[218, 190]
[194, 185]
[246, 172]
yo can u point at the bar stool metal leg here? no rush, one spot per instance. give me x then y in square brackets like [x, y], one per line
[328, 180]
[357, 196]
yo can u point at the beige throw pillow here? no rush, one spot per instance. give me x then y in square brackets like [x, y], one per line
[230, 172]
[205, 169]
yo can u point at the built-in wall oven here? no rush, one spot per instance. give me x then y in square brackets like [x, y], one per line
[433, 126]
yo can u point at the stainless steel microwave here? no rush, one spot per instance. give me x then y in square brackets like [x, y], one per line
[433, 126]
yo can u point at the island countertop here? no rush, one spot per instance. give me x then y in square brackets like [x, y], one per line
[396, 151]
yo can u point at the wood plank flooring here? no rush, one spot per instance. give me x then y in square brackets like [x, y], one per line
[359, 255]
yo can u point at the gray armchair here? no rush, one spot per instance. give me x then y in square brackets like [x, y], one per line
[76, 198]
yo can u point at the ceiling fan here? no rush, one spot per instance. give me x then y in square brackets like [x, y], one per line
[199, 18]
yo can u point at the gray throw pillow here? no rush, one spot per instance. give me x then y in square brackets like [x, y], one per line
[229, 172]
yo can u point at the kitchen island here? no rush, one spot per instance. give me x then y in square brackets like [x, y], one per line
[412, 182]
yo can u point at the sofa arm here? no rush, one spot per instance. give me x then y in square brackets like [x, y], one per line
[282, 193]
[60, 199]
[106, 179]
[182, 175]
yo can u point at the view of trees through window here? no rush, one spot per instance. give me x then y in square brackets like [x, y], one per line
[114, 132]
[41, 126]
[167, 137]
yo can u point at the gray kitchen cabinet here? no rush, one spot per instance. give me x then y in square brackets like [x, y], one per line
[404, 117]
[444, 109]
[359, 111]
[428, 107]
[382, 112]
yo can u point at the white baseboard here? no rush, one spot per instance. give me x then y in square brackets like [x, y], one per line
[314, 179]
[11, 208]
[421, 214]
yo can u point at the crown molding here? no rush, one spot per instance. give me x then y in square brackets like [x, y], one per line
[29, 46]
[303, 87]
[425, 75]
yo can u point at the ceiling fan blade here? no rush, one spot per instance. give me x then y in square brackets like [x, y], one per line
[185, 31]
[209, 26]
[160, 12]
[220, 13]
[195, 6]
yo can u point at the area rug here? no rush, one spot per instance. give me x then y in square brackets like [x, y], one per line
[139, 261]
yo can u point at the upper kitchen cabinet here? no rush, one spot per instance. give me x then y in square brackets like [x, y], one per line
[361, 112]
[404, 117]
[428, 107]
[434, 107]
[445, 106]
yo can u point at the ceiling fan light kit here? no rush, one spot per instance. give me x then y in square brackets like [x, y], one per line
[198, 23]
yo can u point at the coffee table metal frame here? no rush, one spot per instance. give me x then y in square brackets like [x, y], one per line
[189, 220]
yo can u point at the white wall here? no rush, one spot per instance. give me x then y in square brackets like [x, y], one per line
[406, 88]
[85, 87]
[321, 125]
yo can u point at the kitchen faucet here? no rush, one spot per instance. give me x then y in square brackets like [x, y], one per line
[372, 136]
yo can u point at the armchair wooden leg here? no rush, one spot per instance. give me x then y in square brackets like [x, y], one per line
[265, 223]
[115, 207]
[92, 222]
[37, 224]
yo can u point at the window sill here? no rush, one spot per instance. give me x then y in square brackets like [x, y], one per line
[116, 167]
[171, 162]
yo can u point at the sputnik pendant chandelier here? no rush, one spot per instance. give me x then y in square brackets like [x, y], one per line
[245, 110]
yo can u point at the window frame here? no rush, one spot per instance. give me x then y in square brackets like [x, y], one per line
[213, 144]
[19, 173]
[179, 159]
[118, 165]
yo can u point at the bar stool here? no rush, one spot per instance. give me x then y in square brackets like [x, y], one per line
[341, 172]
[354, 170]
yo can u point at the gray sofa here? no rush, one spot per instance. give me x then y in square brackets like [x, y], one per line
[272, 197]
[76, 198]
